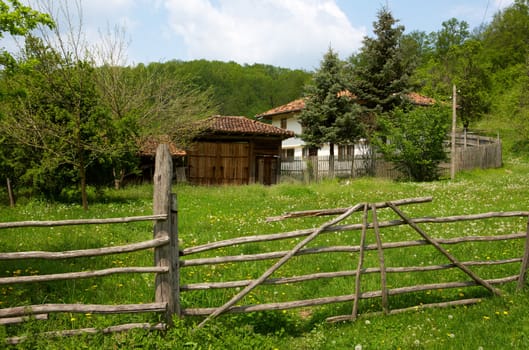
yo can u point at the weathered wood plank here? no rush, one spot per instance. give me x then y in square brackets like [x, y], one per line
[82, 308]
[79, 275]
[344, 249]
[106, 330]
[360, 262]
[525, 260]
[351, 227]
[336, 211]
[13, 320]
[81, 221]
[164, 256]
[157, 242]
[343, 318]
[341, 298]
[338, 274]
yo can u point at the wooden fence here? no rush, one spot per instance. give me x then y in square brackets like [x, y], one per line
[472, 151]
[173, 288]
[380, 246]
[165, 268]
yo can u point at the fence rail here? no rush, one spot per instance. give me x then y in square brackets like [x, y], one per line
[163, 242]
[170, 261]
[381, 247]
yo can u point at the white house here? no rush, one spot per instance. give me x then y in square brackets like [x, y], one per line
[286, 117]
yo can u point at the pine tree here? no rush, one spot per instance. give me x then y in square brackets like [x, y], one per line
[330, 114]
[380, 73]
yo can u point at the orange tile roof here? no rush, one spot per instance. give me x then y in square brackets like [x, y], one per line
[241, 125]
[148, 146]
[420, 100]
[294, 106]
[299, 104]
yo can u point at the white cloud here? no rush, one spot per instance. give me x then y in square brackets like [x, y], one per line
[500, 4]
[293, 33]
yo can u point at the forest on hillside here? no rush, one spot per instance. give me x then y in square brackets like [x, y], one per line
[243, 90]
[67, 123]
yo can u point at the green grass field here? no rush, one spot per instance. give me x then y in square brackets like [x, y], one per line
[216, 213]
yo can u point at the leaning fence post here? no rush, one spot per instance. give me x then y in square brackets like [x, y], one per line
[166, 284]
[525, 260]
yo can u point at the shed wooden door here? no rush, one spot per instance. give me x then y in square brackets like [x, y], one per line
[219, 163]
[267, 170]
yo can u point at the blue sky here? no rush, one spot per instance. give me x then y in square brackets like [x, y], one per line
[286, 33]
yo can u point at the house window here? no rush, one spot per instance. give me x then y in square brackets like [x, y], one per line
[283, 123]
[345, 151]
[287, 153]
[310, 152]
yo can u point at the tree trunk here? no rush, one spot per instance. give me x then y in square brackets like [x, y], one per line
[82, 175]
[331, 160]
[353, 162]
[117, 179]
[10, 193]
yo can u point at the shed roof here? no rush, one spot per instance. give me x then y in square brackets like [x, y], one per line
[238, 125]
[149, 145]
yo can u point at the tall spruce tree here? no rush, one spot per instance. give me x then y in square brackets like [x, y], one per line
[330, 115]
[380, 73]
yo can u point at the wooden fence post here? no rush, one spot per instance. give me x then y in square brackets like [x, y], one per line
[166, 284]
[525, 260]
[453, 143]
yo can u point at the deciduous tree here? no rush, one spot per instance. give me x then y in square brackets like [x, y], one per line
[414, 141]
[144, 102]
[16, 19]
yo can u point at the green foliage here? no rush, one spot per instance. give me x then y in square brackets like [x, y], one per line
[471, 77]
[57, 115]
[18, 19]
[505, 39]
[458, 58]
[515, 108]
[246, 90]
[329, 115]
[380, 72]
[453, 34]
[414, 141]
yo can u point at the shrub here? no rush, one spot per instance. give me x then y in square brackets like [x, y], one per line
[414, 140]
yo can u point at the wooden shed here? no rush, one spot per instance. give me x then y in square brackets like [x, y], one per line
[147, 153]
[235, 150]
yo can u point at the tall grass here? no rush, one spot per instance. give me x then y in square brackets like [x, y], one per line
[211, 214]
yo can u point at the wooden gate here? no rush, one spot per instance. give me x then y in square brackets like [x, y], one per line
[382, 245]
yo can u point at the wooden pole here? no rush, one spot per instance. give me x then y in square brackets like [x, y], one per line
[525, 260]
[164, 256]
[10, 193]
[380, 249]
[358, 289]
[453, 148]
[175, 255]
